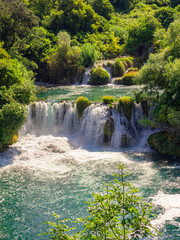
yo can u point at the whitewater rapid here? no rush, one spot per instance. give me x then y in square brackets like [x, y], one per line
[59, 161]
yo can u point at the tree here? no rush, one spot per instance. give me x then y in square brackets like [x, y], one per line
[63, 63]
[165, 16]
[141, 35]
[16, 20]
[41, 7]
[103, 8]
[153, 73]
[116, 213]
[78, 16]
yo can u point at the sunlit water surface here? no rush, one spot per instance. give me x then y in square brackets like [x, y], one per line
[94, 93]
[46, 174]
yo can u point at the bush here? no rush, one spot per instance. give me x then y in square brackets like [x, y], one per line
[116, 213]
[128, 78]
[165, 143]
[118, 69]
[11, 118]
[81, 104]
[125, 105]
[99, 76]
[108, 99]
[88, 55]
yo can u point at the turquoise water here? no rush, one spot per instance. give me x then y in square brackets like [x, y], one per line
[46, 174]
[93, 93]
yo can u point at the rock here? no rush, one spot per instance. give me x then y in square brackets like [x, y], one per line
[108, 130]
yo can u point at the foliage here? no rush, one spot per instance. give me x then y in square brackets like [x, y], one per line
[153, 73]
[53, 21]
[41, 7]
[3, 52]
[103, 7]
[124, 5]
[36, 45]
[120, 32]
[13, 72]
[58, 229]
[77, 16]
[63, 63]
[165, 143]
[81, 104]
[11, 118]
[118, 68]
[165, 16]
[128, 78]
[111, 48]
[88, 55]
[16, 21]
[116, 213]
[108, 99]
[141, 35]
[99, 76]
[125, 105]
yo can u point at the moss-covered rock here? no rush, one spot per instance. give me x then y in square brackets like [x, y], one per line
[81, 104]
[118, 69]
[128, 78]
[108, 99]
[165, 143]
[108, 130]
[99, 76]
[125, 105]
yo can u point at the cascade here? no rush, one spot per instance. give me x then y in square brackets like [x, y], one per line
[86, 76]
[98, 125]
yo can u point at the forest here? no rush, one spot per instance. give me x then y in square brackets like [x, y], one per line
[53, 40]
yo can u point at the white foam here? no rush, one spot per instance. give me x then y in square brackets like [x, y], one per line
[171, 205]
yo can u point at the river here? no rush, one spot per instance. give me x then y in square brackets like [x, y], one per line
[55, 168]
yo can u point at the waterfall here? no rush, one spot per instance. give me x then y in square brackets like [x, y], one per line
[86, 76]
[98, 126]
[92, 124]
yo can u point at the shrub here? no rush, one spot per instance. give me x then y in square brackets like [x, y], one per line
[88, 55]
[165, 143]
[125, 105]
[11, 118]
[128, 78]
[108, 99]
[81, 104]
[127, 61]
[118, 69]
[99, 76]
[116, 213]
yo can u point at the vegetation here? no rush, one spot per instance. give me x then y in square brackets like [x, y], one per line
[81, 104]
[16, 89]
[54, 41]
[128, 78]
[126, 104]
[116, 213]
[165, 143]
[108, 99]
[118, 68]
[99, 76]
